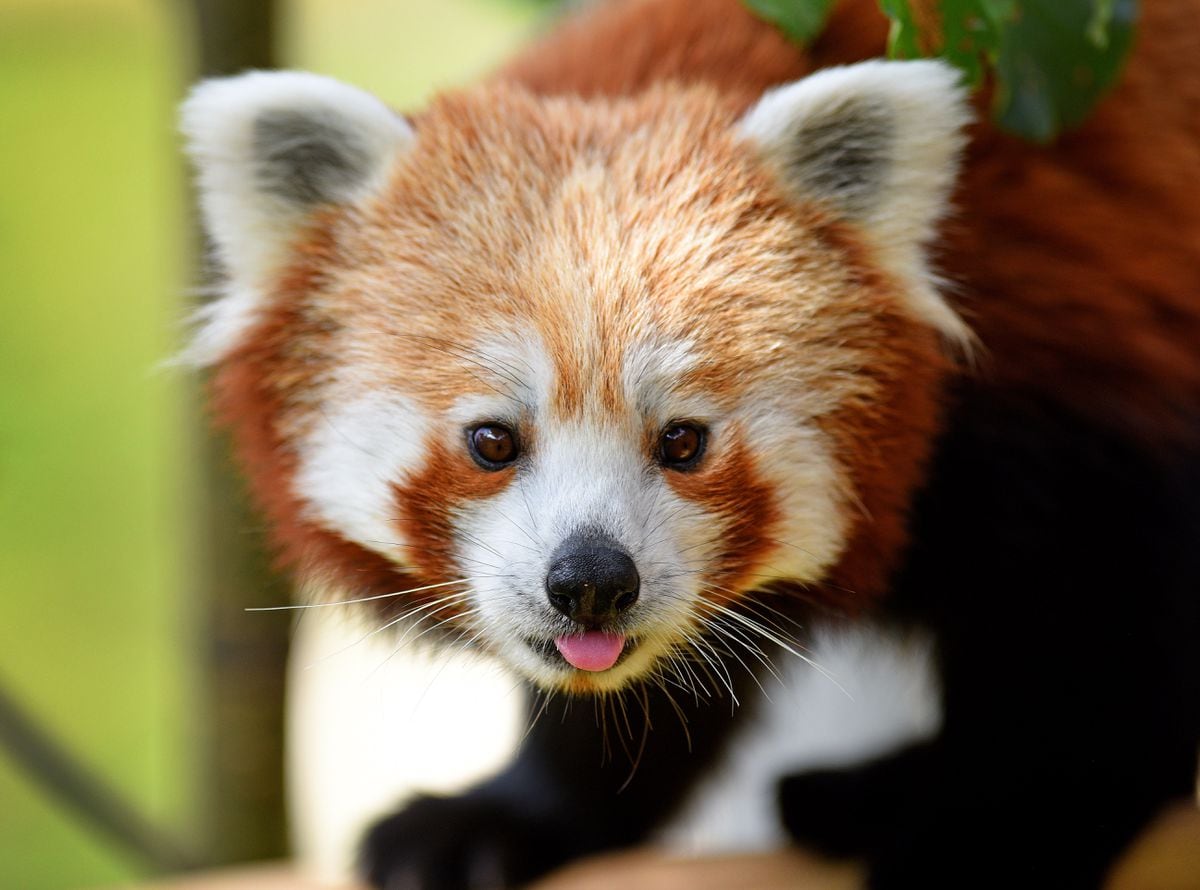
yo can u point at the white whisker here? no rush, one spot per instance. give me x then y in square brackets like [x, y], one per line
[440, 603]
[779, 641]
[364, 599]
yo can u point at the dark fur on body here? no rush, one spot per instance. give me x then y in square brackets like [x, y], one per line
[1057, 565]
[1056, 562]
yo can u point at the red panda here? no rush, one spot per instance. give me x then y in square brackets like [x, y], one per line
[672, 342]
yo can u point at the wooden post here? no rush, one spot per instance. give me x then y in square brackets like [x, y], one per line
[243, 654]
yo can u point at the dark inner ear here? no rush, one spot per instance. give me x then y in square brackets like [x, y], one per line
[843, 154]
[307, 160]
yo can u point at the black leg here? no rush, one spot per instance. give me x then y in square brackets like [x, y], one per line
[853, 812]
[580, 784]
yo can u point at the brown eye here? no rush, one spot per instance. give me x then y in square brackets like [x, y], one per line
[492, 445]
[681, 445]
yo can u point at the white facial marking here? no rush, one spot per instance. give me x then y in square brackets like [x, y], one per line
[650, 377]
[350, 462]
[795, 458]
[583, 477]
[594, 472]
[514, 365]
[588, 473]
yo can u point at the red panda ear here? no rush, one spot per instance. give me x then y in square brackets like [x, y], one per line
[879, 142]
[271, 147]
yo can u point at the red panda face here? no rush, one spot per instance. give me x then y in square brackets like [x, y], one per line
[580, 375]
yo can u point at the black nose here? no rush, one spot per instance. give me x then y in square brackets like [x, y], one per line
[591, 579]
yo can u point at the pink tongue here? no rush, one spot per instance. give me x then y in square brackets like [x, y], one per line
[591, 651]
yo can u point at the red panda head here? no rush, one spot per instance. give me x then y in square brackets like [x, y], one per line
[580, 375]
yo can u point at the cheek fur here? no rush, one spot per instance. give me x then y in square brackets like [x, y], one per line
[730, 487]
[886, 451]
[258, 395]
[428, 504]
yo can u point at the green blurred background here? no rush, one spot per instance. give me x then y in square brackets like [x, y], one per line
[101, 637]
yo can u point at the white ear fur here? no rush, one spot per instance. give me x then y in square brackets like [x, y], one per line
[880, 143]
[269, 148]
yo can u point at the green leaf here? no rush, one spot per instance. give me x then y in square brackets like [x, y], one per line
[1052, 60]
[998, 11]
[971, 34]
[903, 39]
[1051, 67]
[801, 20]
[1102, 16]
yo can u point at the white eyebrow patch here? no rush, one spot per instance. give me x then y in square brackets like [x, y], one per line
[650, 375]
[349, 462]
[515, 376]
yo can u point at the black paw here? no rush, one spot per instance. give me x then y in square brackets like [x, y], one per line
[463, 843]
[856, 812]
[830, 812]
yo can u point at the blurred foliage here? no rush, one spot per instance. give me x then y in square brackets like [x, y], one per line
[94, 627]
[403, 50]
[801, 21]
[1050, 60]
[1055, 60]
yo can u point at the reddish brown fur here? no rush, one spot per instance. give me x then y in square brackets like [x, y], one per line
[1077, 265]
[732, 490]
[427, 501]
[889, 443]
[1084, 327]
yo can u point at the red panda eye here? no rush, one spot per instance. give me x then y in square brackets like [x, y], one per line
[681, 445]
[492, 445]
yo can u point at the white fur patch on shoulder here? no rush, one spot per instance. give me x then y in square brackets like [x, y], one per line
[372, 724]
[270, 146]
[880, 142]
[350, 461]
[889, 697]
